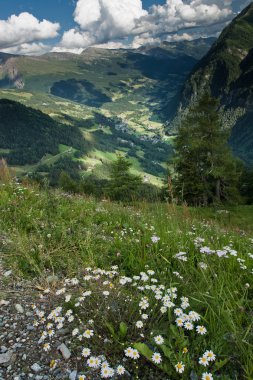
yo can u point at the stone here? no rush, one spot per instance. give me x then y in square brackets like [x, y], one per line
[3, 349]
[19, 308]
[73, 375]
[8, 273]
[4, 303]
[52, 279]
[6, 358]
[36, 368]
[64, 351]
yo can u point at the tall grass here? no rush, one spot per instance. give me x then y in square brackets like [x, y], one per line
[45, 232]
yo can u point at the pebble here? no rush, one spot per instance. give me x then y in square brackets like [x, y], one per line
[4, 303]
[64, 351]
[19, 308]
[6, 357]
[73, 375]
[8, 273]
[36, 368]
[52, 279]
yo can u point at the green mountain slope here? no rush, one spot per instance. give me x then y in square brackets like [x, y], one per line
[26, 135]
[227, 72]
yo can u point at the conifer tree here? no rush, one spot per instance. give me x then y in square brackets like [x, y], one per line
[206, 171]
[123, 185]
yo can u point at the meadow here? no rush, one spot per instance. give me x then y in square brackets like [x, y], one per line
[146, 291]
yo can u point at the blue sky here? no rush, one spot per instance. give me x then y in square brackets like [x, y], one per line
[73, 25]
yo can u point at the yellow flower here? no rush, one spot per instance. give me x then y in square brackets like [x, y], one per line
[185, 350]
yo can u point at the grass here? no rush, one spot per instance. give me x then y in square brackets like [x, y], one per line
[45, 231]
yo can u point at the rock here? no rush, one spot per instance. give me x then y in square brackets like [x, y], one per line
[4, 303]
[3, 349]
[8, 273]
[19, 308]
[36, 368]
[64, 351]
[6, 358]
[73, 375]
[52, 279]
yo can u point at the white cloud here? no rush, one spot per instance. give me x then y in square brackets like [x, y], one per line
[28, 49]
[101, 21]
[107, 21]
[25, 29]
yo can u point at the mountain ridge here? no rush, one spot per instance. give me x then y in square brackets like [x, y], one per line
[226, 71]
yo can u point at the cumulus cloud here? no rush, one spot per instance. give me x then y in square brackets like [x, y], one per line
[28, 49]
[106, 21]
[101, 21]
[21, 32]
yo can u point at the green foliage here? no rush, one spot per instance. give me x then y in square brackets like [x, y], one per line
[206, 170]
[122, 185]
[30, 134]
[246, 185]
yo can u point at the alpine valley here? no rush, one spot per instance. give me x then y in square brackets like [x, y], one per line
[127, 101]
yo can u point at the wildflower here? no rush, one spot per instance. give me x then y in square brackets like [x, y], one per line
[68, 298]
[159, 339]
[188, 326]
[129, 352]
[156, 357]
[88, 334]
[207, 376]
[155, 239]
[53, 364]
[203, 361]
[210, 356]
[163, 309]
[139, 324]
[180, 322]
[75, 332]
[60, 291]
[144, 303]
[120, 370]
[93, 362]
[201, 330]
[185, 350]
[135, 355]
[82, 377]
[194, 316]
[180, 367]
[107, 372]
[178, 312]
[86, 294]
[46, 347]
[202, 265]
[106, 293]
[144, 316]
[51, 333]
[86, 352]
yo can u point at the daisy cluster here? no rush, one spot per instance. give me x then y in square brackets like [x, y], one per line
[88, 304]
[227, 252]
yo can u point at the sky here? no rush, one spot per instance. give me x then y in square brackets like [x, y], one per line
[39, 26]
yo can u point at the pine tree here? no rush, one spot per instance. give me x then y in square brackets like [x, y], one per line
[123, 185]
[206, 171]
